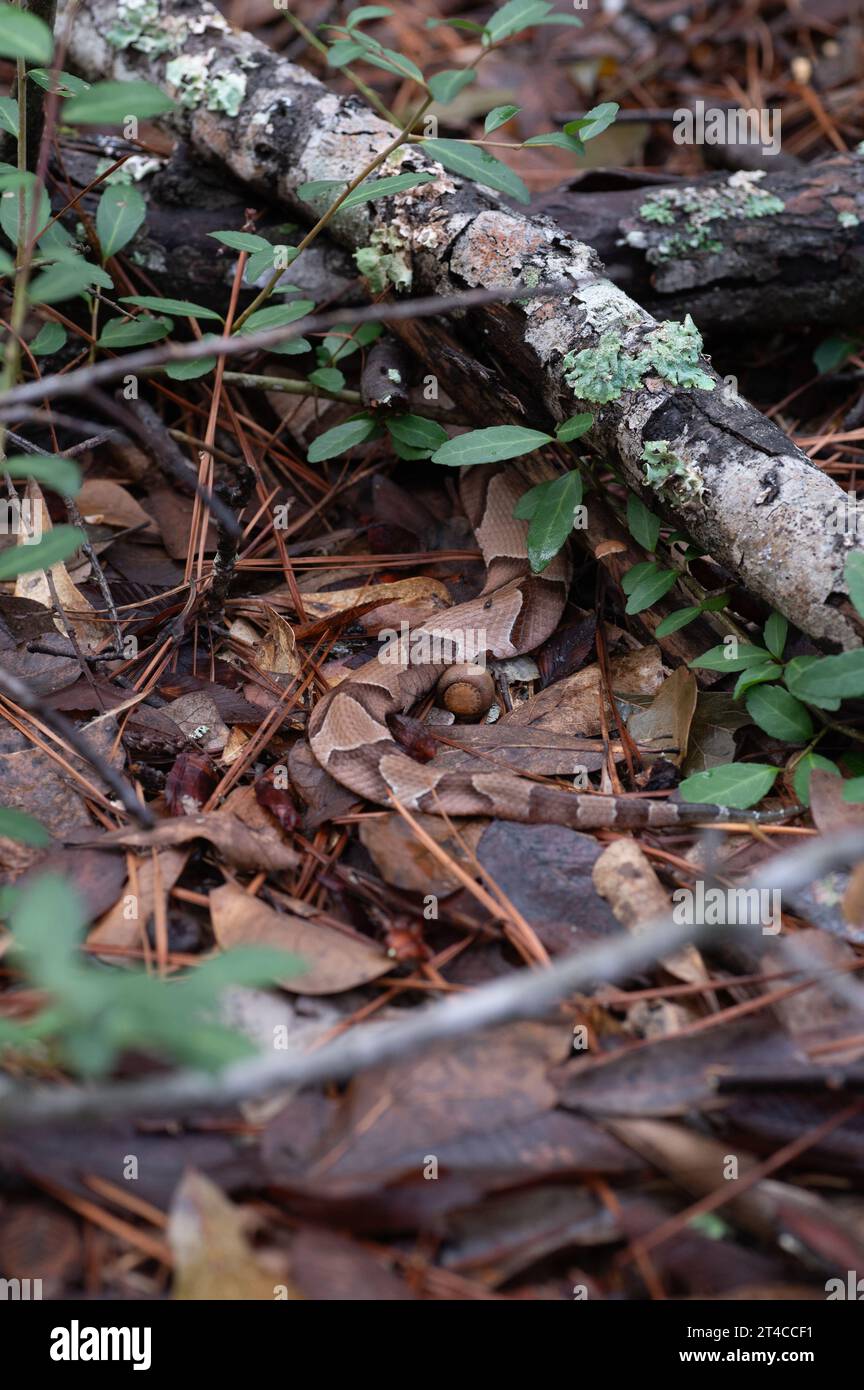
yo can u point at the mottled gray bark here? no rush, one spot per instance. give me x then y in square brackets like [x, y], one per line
[741, 489]
[800, 264]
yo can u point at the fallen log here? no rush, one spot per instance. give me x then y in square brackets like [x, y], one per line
[737, 484]
[737, 252]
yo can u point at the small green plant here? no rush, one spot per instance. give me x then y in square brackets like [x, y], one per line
[790, 699]
[93, 1014]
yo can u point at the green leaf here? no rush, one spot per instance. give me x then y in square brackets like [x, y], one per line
[277, 316]
[553, 519]
[17, 825]
[417, 432]
[342, 438]
[242, 241]
[574, 428]
[515, 16]
[24, 35]
[779, 714]
[9, 116]
[108, 103]
[366, 12]
[854, 572]
[837, 677]
[478, 164]
[344, 51]
[652, 588]
[126, 333]
[327, 378]
[50, 338]
[391, 61]
[558, 139]
[642, 524]
[794, 672]
[570, 19]
[62, 475]
[383, 188]
[57, 545]
[190, 371]
[46, 922]
[466, 25]
[594, 122]
[343, 340]
[737, 785]
[832, 353]
[62, 84]
[492, 445]
[120, 213]
[331, 187]
[756, 675]
[633, 577]
[715, 604]
[66, 279]
[776, 629]
[736, 656]
[160, 305]
[853, 790]
[447, 85]
[676, 621]
[529, 502]
[804, 770]
[498, 116]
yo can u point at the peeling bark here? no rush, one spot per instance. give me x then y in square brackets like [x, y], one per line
[765, 512]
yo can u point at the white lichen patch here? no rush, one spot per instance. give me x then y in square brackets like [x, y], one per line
[137, 167]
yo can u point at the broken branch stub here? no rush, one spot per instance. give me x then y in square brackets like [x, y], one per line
[740, 488]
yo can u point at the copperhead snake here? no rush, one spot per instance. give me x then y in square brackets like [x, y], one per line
[517, 611]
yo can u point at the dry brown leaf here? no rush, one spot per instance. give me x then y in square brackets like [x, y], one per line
[213, 1257]
[35, 586]
[402, 860]
[830, 812]
[198, 718]
[277, 650]
[572, 705]
[336, 961]
[411, 592]
[624, 876]
[124, 923]
[101, 501]
[237, 843]
[33, 781]
[665, 724]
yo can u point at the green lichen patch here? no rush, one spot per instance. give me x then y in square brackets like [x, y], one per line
[671, 351]
[666, 469]
[197, 86]
[691, 211]
[848, 219]
[139, 24]
[385, 261]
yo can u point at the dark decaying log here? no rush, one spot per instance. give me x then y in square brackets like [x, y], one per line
[739, 486]
[795, 258]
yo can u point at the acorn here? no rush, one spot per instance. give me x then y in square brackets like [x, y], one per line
[466, 690]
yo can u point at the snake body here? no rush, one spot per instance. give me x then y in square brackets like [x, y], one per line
[515, 612]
